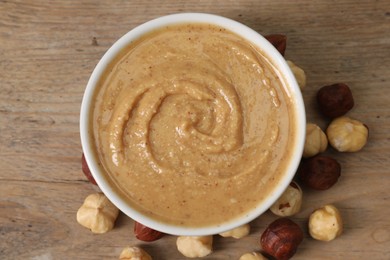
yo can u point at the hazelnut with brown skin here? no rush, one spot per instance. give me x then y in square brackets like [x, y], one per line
[335, 100]
[279, 41]
[281, 239]
[86, 171]
[145, 233]
[319, 172]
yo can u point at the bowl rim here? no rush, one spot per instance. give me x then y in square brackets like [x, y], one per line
[251, 36]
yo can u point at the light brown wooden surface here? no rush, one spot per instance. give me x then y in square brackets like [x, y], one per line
[48, 50]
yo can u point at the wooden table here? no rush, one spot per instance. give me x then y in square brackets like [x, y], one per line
[48, 50]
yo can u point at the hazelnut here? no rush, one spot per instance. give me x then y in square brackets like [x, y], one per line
[299, 74]
[194, 246]
[145, 233]
[316, 141]
[347, 135]
[279, 41]
[281, 238]
[238, 232]
[134, 253]
[253, 256]
[97, 213]
[86, 171]
[289, 203]
[325, 224]
[335, 100]
[319, 172]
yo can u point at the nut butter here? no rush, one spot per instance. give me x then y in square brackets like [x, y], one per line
[192, 125]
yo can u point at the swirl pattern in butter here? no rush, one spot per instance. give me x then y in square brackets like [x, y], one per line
[192, 125]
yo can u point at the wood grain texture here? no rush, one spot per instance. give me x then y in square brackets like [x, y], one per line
[48, 50]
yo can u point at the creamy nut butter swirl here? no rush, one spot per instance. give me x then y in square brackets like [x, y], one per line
[193, 125]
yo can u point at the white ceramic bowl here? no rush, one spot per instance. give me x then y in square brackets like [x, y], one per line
[245, 32]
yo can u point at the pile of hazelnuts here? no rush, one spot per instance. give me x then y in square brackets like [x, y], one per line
[316, 171]
[281, 238]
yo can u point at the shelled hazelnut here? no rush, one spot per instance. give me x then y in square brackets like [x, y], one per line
[97, 213]
[347, 135]
[289, 203]
[253, 256]
[316, 141]
[134, 253]
[195, 246]
[238, 232]
[299, 74]
[325, 223]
